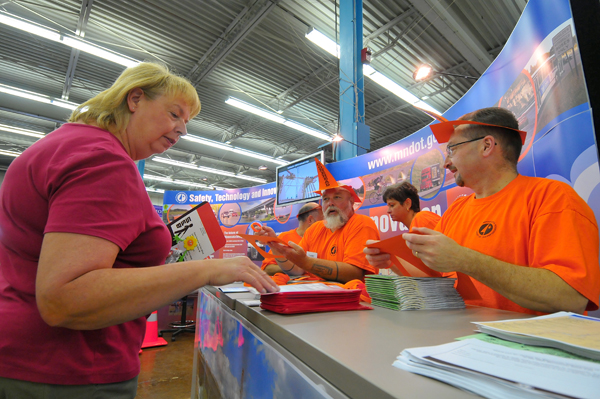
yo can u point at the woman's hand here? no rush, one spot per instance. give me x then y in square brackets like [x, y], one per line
[240, 268]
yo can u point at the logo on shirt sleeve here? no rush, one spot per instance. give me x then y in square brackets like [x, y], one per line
[486, 229]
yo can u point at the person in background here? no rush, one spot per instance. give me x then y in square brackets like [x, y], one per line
[82, 249]
[331, 248]
[404, 206]
[518, 243]
[307, 215]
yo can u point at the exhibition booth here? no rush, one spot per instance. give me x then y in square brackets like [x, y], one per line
[244, 351]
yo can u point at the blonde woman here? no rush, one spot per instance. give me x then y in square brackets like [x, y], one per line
[82, 249]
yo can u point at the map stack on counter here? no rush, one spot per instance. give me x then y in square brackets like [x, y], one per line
[413, 293]
[552, 356]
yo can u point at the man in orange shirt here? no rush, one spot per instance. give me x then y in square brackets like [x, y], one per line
[518, 243]
[307, 215]
[331, 248]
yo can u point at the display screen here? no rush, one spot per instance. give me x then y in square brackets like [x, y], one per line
[297, 181]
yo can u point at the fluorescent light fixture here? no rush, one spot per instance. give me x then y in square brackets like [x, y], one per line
[205, 169]
[307, 130]
[155, 190]
[30, 27]
[25, 94]
[329, 45]
[275, 117]
[99, 51]
[10, 153]
[255, 110]
[176, 163]
[79, 44]
[227, 147]
[174, 181]
[18, 130]
[324, 42]
[64, 104]
[399, 91]
[15, 91]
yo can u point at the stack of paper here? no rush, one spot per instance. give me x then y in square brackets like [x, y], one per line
[570, 332]
[307, 298]
[495, 371]
[413, 293]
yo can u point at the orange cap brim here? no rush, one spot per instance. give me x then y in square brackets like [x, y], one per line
[443, 130]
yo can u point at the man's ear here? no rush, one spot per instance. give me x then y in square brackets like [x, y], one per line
[489, 144]
[133, 98]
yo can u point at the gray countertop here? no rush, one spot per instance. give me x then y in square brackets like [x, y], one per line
[354, 350]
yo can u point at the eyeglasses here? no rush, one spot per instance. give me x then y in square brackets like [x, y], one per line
[450, 148]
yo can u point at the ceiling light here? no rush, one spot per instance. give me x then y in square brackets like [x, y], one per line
[337, 138]
[324, 42]
[155, 190]
[10, 153]
[308, 130]
[226, 147]
[400, 91]
[269, 115]
[425, 71]
[174, 181]
[99, 52]
[18, 130]
[263, 167]
[422, 72]
[30, 27]
[176, 163]
[255, 110]
[36, 96]
[79, 44]
[327, 44]
[204, 179]
[205, 169]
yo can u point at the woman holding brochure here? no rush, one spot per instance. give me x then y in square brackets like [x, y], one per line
[82, 249]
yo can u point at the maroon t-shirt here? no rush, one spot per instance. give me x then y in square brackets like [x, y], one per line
[77, 179]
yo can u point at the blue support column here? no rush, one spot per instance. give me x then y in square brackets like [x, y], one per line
[352, 104]
[141, 164]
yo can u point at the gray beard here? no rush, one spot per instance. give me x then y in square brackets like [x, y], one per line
[335, 222]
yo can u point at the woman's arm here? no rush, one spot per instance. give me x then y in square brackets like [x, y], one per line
[78, 288]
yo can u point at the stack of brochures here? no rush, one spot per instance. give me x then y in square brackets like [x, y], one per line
[413, 293]
[511, 370]
[567, 331]
[311, 297]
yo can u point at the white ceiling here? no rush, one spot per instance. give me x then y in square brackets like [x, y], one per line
[254, 50]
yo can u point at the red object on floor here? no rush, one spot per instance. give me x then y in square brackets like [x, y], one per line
[151, 338]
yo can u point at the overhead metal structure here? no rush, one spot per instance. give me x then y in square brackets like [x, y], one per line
[254, 50]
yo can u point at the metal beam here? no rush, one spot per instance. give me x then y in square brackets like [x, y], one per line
[84, 15]
[389, 25]
[449, 26]
[243, 24]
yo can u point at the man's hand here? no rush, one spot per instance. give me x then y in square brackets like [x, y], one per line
[437, 251]
[376, 258]
[265, 231]
[294, 253]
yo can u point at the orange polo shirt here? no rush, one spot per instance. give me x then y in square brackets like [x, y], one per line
[345, 244]
[531, 222]
[425, 219]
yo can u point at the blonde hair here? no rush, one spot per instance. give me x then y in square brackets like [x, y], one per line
[109, 109]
